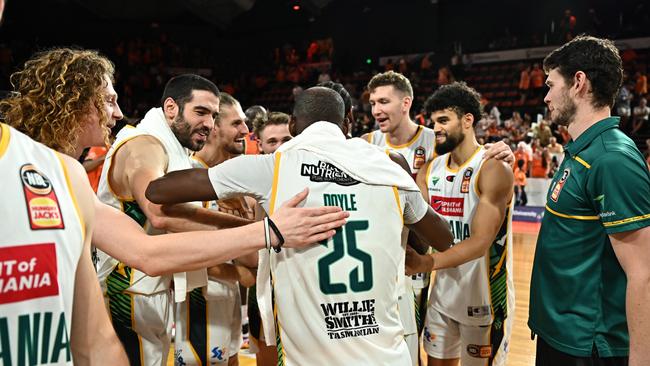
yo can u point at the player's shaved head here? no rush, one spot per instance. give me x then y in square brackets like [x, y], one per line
[317, 104]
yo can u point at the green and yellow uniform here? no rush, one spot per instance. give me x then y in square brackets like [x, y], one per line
[577, 297]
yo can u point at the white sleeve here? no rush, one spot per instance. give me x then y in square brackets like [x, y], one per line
[415, 207]
[250, 175]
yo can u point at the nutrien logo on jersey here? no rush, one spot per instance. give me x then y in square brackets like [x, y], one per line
[28, 272]
[449, 206]
[42, 204]
[326, 172]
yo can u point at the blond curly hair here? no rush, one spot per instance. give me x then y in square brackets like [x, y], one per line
[53, 93]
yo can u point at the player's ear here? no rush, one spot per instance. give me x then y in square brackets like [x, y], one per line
[170, 108]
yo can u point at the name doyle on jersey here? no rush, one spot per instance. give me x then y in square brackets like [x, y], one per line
[350, 318]
[326, 172]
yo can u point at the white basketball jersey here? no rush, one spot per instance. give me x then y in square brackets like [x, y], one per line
[417, 152]
[336, 303]
[40, 246]
[109, 270]
[479, 291]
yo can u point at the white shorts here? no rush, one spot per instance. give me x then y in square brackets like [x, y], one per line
[445, 338]
[208, 332]
[143, 324]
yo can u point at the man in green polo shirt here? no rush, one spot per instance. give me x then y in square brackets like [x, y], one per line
[590, 289]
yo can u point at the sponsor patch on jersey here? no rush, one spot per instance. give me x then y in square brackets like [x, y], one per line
[326, 172]
[478, 311]
[467, 176]
[419, 158]
[560, 183]
[348, 319]
[479, 351]
[434, 180]
[42, 204]
[28, 272]
[450, 178]
[448, 206]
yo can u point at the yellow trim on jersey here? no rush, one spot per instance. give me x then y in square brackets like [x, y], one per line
[426, 178]
[411, 142]
[576, 217]
[73, 196]
[464, 164]
[626, 221]
[208, 353]
[110, 169]
[399, 204]
[4, 139]
[369, 136]
[579, 160]
[274, 187]
[201, 161]
[187, 332]
[476, 178]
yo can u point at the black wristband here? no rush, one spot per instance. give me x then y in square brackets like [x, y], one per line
[275, 229]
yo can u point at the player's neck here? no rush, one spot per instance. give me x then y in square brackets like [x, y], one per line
[463, 152]
[213, 155]
[403, 134]
[583, 121]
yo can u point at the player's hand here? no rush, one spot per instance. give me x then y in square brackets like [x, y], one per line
[246, 276]
[417, 263]
[499, 151]
[302, 226]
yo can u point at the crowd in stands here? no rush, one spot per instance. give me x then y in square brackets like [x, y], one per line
[512, 92]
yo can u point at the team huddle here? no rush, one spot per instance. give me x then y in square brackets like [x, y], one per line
[358, 250]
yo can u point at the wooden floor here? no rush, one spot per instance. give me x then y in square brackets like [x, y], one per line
[522, 349]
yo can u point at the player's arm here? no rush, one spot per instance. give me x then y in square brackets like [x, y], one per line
[143, 160]
[160, 254]
[174, 187]
[632, 248]
[495, 184]
[92, 338]
[499, 151]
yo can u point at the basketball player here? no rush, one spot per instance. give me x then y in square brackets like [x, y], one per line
[209, 322]
[470, 310]
[391, 98]
[343, 293]
[272, 132]
[50, 301]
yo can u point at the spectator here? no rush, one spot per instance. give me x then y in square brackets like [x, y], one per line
[522, 154]
[641, 85]
[563, 131]
[537, 80]
[520, 183]
[623, 108]
[524, 83]
[540, 165]
[543, 132]
[555, 150]
[640, 116]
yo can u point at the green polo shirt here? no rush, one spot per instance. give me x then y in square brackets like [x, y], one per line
[577, 290]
